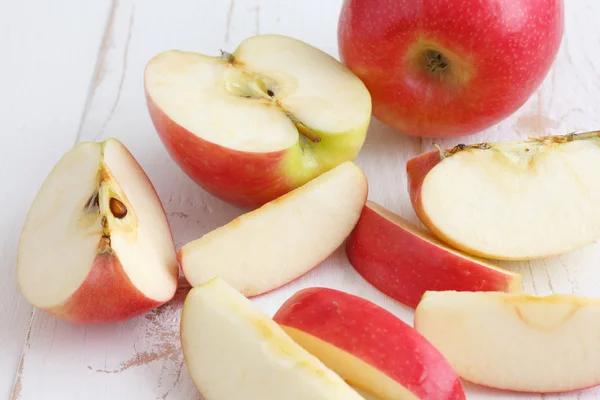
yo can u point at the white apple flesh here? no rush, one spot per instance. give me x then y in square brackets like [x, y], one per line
[511, 200]
[96, 245]
[253, 125]
[515, 342]
[233, 351]
[282, 240]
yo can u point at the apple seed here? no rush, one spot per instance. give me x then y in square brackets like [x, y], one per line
[117, 208]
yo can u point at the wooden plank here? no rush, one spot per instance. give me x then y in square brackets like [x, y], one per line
[48, 58]
[141, 358]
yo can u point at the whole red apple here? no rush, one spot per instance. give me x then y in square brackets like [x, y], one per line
[441, 68]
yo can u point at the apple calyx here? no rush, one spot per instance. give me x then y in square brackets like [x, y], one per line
[252, 85]
[436, 62]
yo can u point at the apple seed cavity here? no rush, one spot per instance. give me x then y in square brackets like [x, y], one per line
[93, 204]
[251, 85]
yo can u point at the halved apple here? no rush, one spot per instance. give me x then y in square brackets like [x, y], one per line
[96, 245]
[282, 240]
[234, 351]
[515, 342]
[511, 200]
[253, 125]
[404, 261]
[367, 346]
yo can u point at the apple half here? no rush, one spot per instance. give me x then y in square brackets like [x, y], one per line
[517, 342]
[368, 346]
[517, 200]
[234, 351]
[96, 245]
[253, 125]
[282, 240]
[403, 261]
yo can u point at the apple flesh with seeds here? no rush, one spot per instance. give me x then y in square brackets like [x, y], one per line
[518, 342]
[234, 351]
[96, 245]
[253, 125]
[404, 262]
[368, 346]
[511, 200]
[439, 68]
[282, 240]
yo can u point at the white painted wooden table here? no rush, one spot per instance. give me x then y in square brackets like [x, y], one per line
[71, 71]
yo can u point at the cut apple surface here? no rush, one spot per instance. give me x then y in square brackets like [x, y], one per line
[282, 240]
[367, 346]
[96, 245]
[404, 261]
[233, 351]
[515, 342]
[253, 125]
[511, 200]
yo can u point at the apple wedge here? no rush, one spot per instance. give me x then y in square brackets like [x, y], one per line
[96, 245]
[367, 346]
[511, 200]
[515, 342]
[253, 125]
[233, 351]
[282, 240]
[404, 262]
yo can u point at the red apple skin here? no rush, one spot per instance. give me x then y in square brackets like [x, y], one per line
[417, 169]
[499, 53]
[375, 336]
[218, 169]
[404, 263]
[107, 295]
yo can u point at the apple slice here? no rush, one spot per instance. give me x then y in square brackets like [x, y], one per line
[513, 341]
[96, 245]
[233, 351]
[253, 125]
[511, 200]
[367, 346]
[404, 262]
[282, 240]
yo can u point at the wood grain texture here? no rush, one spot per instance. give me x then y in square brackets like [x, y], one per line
[47, 63]
[141, 358]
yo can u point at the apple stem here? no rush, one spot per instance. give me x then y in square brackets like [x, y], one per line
[225, 56]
